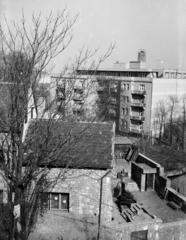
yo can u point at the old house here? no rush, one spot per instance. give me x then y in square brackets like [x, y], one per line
[80, 158]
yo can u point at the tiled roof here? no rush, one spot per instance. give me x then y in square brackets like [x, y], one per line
[122, 140]
[70, 144]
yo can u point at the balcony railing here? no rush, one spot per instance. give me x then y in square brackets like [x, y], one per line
[137, 104]
[136, 117]
[139, 92]
[136, 130]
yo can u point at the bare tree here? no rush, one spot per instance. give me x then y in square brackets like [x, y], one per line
[26, 52]
[172, 106]
[184, 123]
[160, 116]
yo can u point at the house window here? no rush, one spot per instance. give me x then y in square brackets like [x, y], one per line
[65, 201]
[56, 200]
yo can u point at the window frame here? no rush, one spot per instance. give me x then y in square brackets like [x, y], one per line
[60, 194]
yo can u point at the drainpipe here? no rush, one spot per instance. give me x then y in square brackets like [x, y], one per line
[100, 203]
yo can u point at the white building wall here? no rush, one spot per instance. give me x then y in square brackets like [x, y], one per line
[162, 89]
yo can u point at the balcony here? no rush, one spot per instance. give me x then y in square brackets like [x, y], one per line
[136, 130]
[138, 92]
[138, 104]
[137, 117]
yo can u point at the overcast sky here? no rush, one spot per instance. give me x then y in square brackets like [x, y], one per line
[158, 26]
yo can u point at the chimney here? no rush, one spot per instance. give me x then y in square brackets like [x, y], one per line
[142, 56]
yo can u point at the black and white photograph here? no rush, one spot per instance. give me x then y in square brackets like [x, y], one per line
[92, 119]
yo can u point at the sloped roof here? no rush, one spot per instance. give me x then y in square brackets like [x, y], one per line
[58, 143]
[122, 140]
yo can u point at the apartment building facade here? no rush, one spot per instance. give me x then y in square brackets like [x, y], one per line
[124, 96]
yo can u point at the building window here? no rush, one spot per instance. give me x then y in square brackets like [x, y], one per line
[124, 124]
[142, 87]
[126, 99]
[56, 201]
[125, 86]
[125, 111]
[65, 201]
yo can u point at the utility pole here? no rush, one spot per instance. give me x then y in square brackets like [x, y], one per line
[100, 203]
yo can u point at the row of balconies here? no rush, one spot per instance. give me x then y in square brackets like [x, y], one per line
[102, 88]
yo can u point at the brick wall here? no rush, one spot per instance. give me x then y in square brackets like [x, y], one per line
[83, 187]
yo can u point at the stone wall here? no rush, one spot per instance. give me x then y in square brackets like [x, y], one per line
[83, 187]
[155, 231]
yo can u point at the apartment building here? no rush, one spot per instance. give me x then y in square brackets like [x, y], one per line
[127, 94]
[124, 95]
